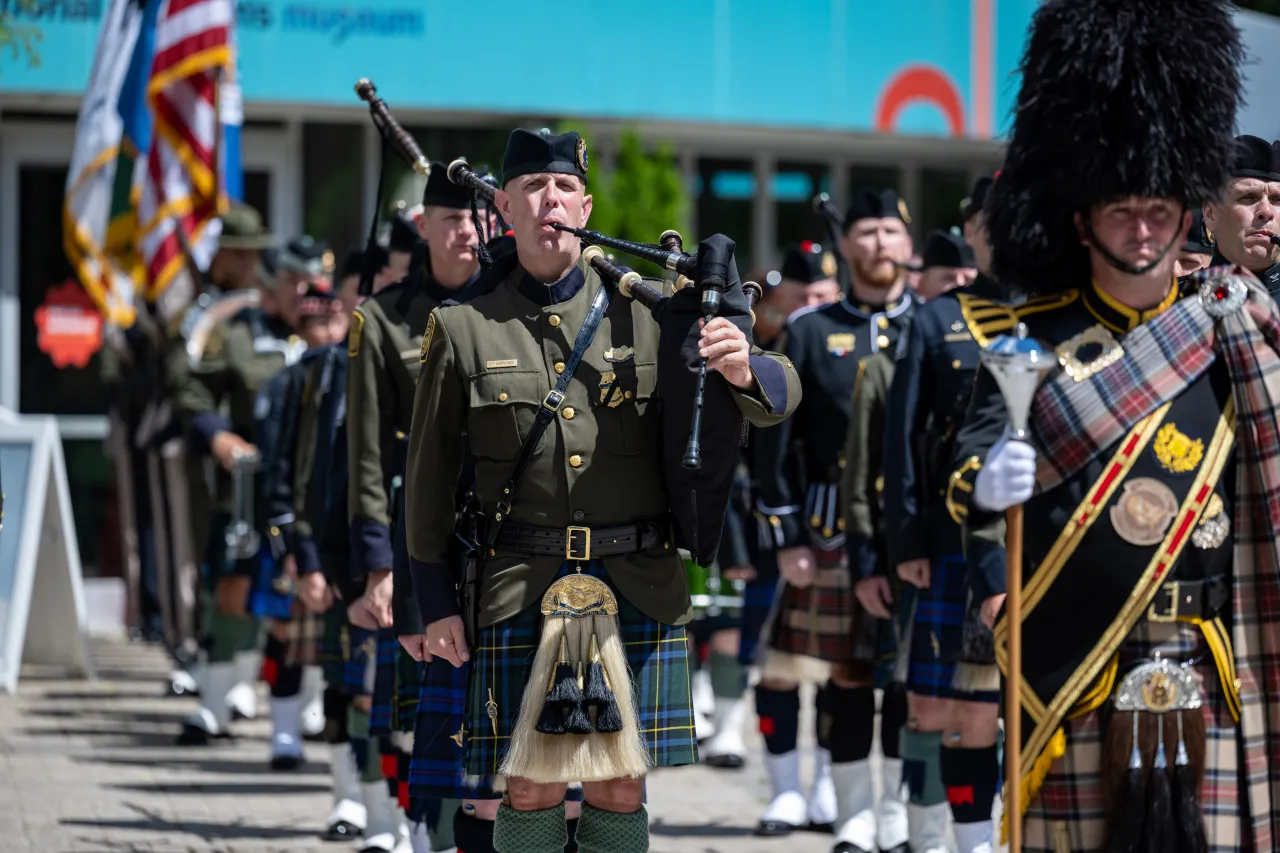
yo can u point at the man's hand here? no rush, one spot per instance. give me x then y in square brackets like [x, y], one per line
[797, 566]
[314, 592]
[875, 595]
[372, 610]
[446, 638]
[991, 609]
[743, 573]
[915, 572]
[227, 446]
[417, 647]
[231, 595]
[726, 350]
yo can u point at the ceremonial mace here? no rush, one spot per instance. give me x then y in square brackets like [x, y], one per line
[1018, 363]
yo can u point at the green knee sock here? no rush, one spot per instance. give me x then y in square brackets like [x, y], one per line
[600, 831]
[542, 831]
[364, 746]
[728, 677]
[922, 767]
[228, 635]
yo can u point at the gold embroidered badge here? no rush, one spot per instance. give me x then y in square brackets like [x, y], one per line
[610, 393]
[355, 335]
[841, 344]
[1143, 513]
[426, 338]
[1177, 452]
[1089, 352]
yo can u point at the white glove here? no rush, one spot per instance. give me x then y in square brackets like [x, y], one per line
[1008, 477]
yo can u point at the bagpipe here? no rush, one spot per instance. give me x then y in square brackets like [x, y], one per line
[702, 428]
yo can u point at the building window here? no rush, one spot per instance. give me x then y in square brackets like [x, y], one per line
[941, 192]
[794, 187]
[726, 191]
[332, 185]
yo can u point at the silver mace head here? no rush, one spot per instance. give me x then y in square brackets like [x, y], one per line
[1018, 363]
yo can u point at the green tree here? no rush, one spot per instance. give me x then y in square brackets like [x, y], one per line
[19, 40]
[641, 196]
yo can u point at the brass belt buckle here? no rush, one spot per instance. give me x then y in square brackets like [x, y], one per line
[1170, 613]
[580, 554]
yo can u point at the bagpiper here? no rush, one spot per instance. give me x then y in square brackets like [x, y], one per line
[579, 657]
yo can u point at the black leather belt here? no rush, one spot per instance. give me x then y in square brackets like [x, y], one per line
[1200, 599]
[582, 543]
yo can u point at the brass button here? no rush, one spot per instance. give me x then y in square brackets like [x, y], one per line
[492, 552]
[502, 398]
[568, 413]
[575, 461]
[554, 320]
[400, 433]
[882, 342]
[559, 367]
[955, 365]
[627, 394]
[275, 531]
[882, 322]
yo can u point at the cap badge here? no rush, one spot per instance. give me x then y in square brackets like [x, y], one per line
[829, 265]
[902, 211]
[582, 155]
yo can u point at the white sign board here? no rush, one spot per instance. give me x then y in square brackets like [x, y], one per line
[42, 610]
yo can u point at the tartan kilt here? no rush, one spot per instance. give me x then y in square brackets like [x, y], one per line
[816, 621]
[657, 653]
[436, 771]
[408, 685]
[303, 635]
[1071, 810]
[387, 658]
[344, 652]
[937, 631]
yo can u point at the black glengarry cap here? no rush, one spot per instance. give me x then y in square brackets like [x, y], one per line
[876, 204]
[807, 263]
[442, 192]
[1256, 158]
[529, 153]
[944, 249]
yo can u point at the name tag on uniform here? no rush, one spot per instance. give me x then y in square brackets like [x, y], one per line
[956, 337]
[498, 365]
[617, 354]
[840, 344]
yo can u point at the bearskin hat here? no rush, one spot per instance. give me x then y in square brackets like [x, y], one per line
[1118, 98]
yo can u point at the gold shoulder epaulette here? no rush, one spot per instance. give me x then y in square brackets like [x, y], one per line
[987, 319]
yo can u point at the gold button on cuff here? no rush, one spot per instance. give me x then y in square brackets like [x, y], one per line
[502, 398]
[559, 367]
[568, 413]
[882, 323]
[955, 365]
[575, 461]
[882, 342]
[554, 320]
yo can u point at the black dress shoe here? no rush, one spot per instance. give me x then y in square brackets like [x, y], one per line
[342, 831]
[196, 736]
[775, 828]
[286, 762]
[820, 828]
[725, 762]
[850, 847]
[904, 847]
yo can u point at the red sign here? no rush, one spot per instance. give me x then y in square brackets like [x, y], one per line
[69, 325]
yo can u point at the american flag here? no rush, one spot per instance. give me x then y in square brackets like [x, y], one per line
[178, 182]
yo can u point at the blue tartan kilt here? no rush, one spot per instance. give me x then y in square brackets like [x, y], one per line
[408, 686]
[937, 632]
[436, 771]
[384, 683]
[657, 653]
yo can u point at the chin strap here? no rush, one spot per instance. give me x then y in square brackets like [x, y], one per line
[1125, 266]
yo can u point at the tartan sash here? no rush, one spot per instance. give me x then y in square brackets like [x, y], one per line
[1074, 421]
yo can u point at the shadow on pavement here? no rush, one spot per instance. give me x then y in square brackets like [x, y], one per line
[208, 765]
[285, 785]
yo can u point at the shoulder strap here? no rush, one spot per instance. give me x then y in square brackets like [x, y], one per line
[547, 411]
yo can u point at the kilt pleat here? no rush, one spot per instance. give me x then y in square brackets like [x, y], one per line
[816, 621]
[384, 683]
[657, 653]
[1071, 807]
[408, 684]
